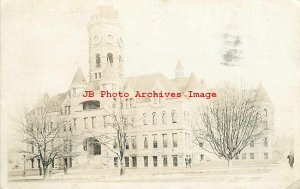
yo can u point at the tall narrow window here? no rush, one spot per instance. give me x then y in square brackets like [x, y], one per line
[175, 161]
[165, 140]
[110, 58]
[174, 136]
[174, 116]
[145, 119]
[93, 122]
[115, 161]
[96, 75]
[98, 60]
[154, 119]
[131, 102]
[145, 161]
[134, 162]
[164, 117]
[85, 122]
[133, 142]
[165, 161]
[154, 141]
[266, 142]
[252, 143]
[145, 143]
[126, 161]
[154, 161]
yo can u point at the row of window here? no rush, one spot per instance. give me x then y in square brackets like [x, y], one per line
[94, 104]
[146, 161]
[109, 59]
[163, 118]
[251, 156]
[154, 119]
[132, 144]
[265, 141]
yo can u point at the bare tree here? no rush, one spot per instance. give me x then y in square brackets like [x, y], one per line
[47, 134]
[116, 141]
[229, 123]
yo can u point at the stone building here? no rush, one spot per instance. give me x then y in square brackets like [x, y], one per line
[162, 134]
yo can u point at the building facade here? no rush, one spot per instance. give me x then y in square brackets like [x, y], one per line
[161, 135]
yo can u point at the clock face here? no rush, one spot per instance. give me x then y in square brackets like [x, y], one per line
[120, 42]
[96, 39]
[109, 39]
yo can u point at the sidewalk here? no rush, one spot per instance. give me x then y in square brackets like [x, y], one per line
[282, 176]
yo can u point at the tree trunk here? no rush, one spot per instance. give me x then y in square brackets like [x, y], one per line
[229, 165]
[45, 169]
[40, 168]
[122, 169]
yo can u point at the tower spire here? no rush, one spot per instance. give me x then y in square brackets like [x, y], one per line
[179, 71]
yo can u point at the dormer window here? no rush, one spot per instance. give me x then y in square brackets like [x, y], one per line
[98, 60]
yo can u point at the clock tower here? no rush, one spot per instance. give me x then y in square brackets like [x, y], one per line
[105, 43]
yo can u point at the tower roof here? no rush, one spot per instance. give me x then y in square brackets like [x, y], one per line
[79, 78]
[179, 65]
[109, 74]
[193, 83]
[262, 93]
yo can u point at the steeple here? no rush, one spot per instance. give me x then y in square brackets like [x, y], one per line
[179, 71]
[79, 79]
[79, 83]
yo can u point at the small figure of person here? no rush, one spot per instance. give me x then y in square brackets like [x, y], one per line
[190, 161]
[65, 169]
[186, 161]
[291, 159]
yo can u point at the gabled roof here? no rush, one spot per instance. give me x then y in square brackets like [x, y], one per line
[79, 78]
[146, 82]
[262, 94]
[179, 65]
[193, 83]
[109, 74]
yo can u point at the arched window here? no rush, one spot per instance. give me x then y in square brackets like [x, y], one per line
[266, 112]
[174, 116]
[154, 119]
[164, 115]
[98, 60]
[145, 119]
[110, 58]
[92, 146]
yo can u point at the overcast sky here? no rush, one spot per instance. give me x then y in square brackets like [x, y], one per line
[43, 43]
